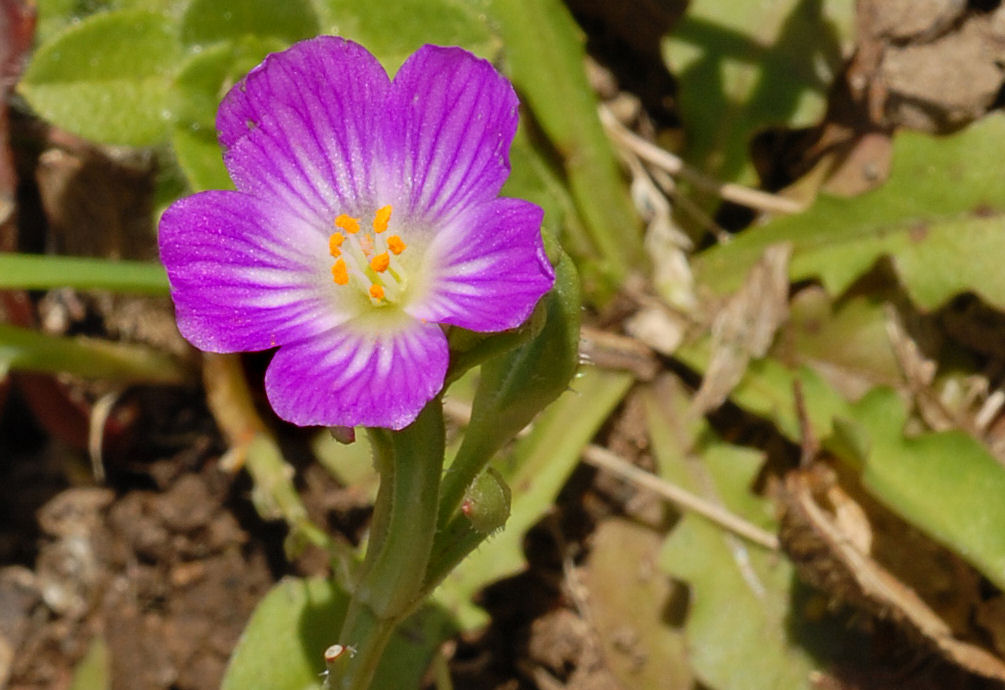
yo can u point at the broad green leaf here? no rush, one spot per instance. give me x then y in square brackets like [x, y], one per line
[394, 30]
[743, 66]
[535, 471]
[946, 484]
[745, 626]
[56, 15]
[282, 646]
[107, 78]
[938, 218]
[209, 21]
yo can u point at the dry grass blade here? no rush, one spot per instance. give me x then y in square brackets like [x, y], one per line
[664, 160]
[685, 500]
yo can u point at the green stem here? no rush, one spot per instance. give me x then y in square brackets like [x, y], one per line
[31, 350]
[254, 447]
[43, 272]
[410, 462]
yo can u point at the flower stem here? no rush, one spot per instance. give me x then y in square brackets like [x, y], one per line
[390, 586]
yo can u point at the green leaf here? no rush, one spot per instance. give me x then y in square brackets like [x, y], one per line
[767, 389]
[743, 66]
[938, 218]
[282, 646]
[629, 598]
[946, 484]
[394, 30]
[209, 21]
[763, 640]
[865, 357]
[545, 58]
[45, 272]
[107, 78]
[56, 15]
[203, 81]
[94, 670]
[535, 471]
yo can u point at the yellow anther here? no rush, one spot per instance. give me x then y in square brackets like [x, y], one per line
[347, 223]
[381, 218]
[380, 262]
[376, 291]
[334, 242]
[395, 244]
[340, 272]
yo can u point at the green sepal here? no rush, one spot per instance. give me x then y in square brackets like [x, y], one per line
[516, 386]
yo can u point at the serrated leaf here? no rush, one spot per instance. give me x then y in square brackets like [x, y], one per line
[209, 21]
[281, 648]
[107, 78]
[846, 342]
[938, 218]
[763, 640]
[394, 30]
[535, 471]
[946, 484]
[628, 599]
[767, 390]
[743, 66]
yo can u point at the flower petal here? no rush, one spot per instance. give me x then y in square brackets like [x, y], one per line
[490, 268]
[302, 127]
[358, 375]
[451, 120]
[244, 274]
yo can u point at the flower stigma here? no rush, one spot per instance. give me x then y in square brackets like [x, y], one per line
[368, 260]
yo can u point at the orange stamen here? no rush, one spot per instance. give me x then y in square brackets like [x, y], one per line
[376, 291]
[381, 218]
[380, 262]
[395, 244]
[347, 223]
[340, 272]
[334, 242]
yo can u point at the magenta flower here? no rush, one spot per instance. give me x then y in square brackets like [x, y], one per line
[366, 220]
